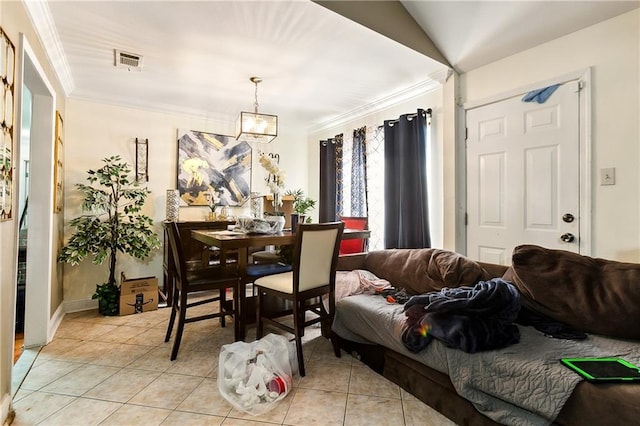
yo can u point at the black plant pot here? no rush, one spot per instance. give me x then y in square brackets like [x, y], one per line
[108, 309]
[108, 296]
[295, 217]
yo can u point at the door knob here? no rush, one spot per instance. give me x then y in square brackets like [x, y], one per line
[568, 217]
[567, 238]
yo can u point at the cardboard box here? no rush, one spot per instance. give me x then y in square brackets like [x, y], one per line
[138, 295]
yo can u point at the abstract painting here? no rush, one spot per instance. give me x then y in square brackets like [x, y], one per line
[211, 165]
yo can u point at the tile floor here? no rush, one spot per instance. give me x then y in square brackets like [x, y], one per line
[116, 371]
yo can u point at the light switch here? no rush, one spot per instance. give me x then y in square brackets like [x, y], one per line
[608, 176]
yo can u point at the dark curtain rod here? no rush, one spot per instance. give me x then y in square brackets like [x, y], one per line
[332, 140]
[428, 112]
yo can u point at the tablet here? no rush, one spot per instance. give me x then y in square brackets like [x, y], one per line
[604, 369]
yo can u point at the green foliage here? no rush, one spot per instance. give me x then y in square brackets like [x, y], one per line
[113, 223]
[301, 204]
[108, 296]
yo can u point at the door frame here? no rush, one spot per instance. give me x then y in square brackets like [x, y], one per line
[40, 254]
[585, 202]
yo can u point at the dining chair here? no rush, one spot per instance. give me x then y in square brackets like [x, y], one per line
[354, 245]
[265, 256]
[313, 275]
[189, 281]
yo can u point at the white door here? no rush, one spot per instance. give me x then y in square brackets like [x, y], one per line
[523, 180]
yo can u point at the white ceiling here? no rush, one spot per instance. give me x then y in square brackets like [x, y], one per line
[475, 33]
[316, 65]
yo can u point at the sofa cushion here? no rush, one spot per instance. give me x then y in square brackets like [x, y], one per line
[593, 295]
[422, 270]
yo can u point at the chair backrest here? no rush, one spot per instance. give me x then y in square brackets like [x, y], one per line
[316, 255]
[354, 245]
[175, 243]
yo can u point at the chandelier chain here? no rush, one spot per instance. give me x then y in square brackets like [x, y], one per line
[255, 104]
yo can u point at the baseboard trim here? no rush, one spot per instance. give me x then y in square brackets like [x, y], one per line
[7, 411]
[79, 305]
[55, 322]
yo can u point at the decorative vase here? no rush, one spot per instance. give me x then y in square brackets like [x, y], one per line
[224, 213]
[256, 205]
[277, 223]
[173, 204]
[276, 201]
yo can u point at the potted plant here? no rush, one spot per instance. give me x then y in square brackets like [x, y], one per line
[113, 223]
[301, 206]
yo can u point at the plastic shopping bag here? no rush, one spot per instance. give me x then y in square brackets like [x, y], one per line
[254, 376]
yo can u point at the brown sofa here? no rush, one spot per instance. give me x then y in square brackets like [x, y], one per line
[593, 295]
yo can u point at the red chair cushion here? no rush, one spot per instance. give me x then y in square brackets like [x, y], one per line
[355, 245]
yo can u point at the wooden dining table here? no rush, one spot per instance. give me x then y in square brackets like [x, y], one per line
[227, 240]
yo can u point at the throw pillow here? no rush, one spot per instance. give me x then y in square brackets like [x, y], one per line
[593, 295]
[420, 271]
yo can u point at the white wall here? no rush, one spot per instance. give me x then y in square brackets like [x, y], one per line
[95, 131]
[612, 50]
[431, 99]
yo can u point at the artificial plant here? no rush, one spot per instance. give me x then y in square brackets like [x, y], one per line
[114, 223]
[301, 203]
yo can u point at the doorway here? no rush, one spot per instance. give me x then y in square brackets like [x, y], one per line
[40, 257]
[23, 222]
[527, 173]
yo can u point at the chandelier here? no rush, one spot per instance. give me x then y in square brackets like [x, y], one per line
[256, 127]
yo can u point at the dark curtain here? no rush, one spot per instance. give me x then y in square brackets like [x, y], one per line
[359, 174]
[405, 206]
[339, 176]
[330, 179]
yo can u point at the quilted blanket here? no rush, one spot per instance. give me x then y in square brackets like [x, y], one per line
[522, 384]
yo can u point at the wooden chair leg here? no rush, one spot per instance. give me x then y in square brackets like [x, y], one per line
[259, 322]
[236, 315]
[298, 326]
[334, 343]
[181, 318]
[172, 318]
[325, 322]
[301, 317]
[222, 301]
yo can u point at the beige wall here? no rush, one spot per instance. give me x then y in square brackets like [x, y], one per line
[95, 131]
[611, 49]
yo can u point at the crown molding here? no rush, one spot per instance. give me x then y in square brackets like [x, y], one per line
[42, 22]
[379, 105]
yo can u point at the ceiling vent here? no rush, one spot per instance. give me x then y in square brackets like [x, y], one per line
[130, 61]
